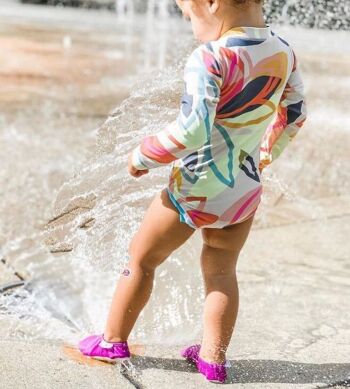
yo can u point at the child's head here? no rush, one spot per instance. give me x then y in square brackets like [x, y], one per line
[209, 18]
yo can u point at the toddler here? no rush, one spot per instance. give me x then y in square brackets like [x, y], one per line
[243, 103]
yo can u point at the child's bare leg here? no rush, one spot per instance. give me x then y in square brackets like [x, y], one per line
[221, 248]
[160, 233]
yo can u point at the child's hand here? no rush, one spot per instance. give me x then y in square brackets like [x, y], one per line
[135, 172]
[261, 167]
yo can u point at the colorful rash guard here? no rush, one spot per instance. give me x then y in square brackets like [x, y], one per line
[243, 104]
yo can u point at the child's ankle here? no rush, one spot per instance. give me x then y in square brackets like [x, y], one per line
[220, 359]
[113, 339]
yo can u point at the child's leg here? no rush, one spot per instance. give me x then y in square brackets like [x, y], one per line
[160, 233]
[221, 248]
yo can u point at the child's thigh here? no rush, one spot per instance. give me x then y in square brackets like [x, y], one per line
[160, 233]
[231, 238]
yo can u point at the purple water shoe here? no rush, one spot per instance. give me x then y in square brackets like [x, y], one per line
[97, 348]
[213, 372]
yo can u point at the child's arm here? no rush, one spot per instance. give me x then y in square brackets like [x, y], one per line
[291, 114]
[192, 128]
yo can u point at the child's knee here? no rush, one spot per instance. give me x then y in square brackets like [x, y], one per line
[147, 260]
[146, 256]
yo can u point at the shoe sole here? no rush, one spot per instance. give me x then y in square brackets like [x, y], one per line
[205, 379]
[109, 360]
[214, 381]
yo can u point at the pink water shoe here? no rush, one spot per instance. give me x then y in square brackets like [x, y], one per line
[213, 372]
[97, 348]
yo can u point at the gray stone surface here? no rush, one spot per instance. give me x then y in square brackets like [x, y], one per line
[42, 365]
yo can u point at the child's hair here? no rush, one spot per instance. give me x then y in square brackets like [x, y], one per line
[245, 2]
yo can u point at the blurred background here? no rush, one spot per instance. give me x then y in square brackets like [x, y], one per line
[333, 14]
[81, 83]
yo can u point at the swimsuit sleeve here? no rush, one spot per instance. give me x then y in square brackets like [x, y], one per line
[192, 128]
[291, 114]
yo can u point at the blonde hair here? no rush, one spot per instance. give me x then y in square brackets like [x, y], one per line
[245, 2]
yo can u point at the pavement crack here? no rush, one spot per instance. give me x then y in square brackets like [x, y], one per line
[129, 372]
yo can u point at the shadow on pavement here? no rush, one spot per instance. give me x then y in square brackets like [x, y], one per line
[264, 371]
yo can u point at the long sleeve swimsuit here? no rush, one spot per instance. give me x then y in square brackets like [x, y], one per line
[243, 103]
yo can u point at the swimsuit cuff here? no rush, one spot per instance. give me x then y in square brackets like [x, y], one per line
[136, 159]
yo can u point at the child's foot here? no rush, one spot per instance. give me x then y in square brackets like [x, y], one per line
[214, 372]
[97, 348]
